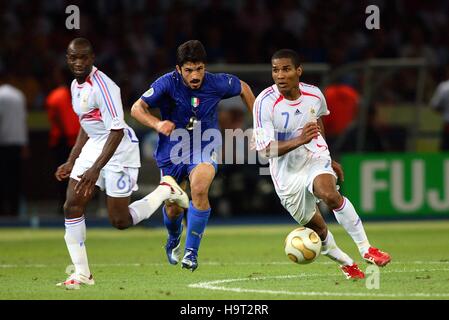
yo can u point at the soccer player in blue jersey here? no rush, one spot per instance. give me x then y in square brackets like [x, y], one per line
[188, 99]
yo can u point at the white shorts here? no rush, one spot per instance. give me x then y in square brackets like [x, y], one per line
[118, 182]
[301, 203]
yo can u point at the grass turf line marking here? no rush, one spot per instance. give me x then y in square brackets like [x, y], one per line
[203, 263]
[213, 285]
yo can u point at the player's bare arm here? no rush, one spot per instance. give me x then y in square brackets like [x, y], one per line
[247, 96]
[140, 112]
[64, 170]
[335, 165]
[88, 179]
[279, 148]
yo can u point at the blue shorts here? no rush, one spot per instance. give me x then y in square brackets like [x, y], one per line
[181, 171]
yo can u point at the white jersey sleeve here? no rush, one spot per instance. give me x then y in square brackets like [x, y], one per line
[98, 104]
[264, 131]
[322, 110]
[109, 102]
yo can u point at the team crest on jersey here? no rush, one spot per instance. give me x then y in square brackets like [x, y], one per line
[313, 116]
[149, 93]
[84, 103]
[195, 102]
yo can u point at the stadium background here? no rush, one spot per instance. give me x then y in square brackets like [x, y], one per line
[392, 73]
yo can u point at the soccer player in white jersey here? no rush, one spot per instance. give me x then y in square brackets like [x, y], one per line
[106, 155]
[289, 131]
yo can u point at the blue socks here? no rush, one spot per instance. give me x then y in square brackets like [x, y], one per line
[196, 224]
[173, 226]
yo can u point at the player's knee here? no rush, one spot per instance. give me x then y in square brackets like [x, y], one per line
[120, 223]
[332, 199]
[199, 192]
[72, 209]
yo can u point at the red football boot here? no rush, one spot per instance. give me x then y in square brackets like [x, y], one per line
[352, 272]
[377, 257]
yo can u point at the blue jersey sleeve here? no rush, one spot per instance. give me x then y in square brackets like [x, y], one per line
[157, 93]
[228, 85]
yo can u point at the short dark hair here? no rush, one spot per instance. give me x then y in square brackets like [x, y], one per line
[191, 51]
[287, 54]
[82, 42]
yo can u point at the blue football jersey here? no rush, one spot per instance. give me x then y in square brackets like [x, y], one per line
[178, 103]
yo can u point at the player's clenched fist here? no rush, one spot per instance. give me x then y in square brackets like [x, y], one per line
[338, 170]
[310, 131]
[63, 171]
[165, 127]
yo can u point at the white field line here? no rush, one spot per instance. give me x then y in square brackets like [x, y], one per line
[215, 285]
[255, 263]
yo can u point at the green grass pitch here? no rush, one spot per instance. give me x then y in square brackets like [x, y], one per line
[235, 262]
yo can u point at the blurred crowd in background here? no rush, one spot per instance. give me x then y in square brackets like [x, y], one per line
[135, 41]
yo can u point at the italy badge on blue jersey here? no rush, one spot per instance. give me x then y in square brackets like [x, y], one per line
[195, 102]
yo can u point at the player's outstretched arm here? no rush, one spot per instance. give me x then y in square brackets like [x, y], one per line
[64, 170]
[247, 96]
[140, 112]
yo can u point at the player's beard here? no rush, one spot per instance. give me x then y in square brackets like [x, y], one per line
[195, 84]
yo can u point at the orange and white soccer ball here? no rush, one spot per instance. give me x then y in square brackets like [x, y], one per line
[302, 245]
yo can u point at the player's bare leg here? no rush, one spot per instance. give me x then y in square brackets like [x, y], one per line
[198, 213]
[75, 236]
[118, 212]
[330, 248]
[325, 188]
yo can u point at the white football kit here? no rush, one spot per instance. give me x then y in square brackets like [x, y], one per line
[278, 119]
[98, 104]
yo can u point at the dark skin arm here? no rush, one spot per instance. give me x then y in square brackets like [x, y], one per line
[87, 181]
[64, 170]
[335, 165]
[311, 130]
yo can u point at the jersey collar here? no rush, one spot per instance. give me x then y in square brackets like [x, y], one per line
[88, 78]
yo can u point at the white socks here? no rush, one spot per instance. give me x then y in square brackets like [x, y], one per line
[143, 209]
[75, 236]
[75, 229]
[330, 249]
[349, 219]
